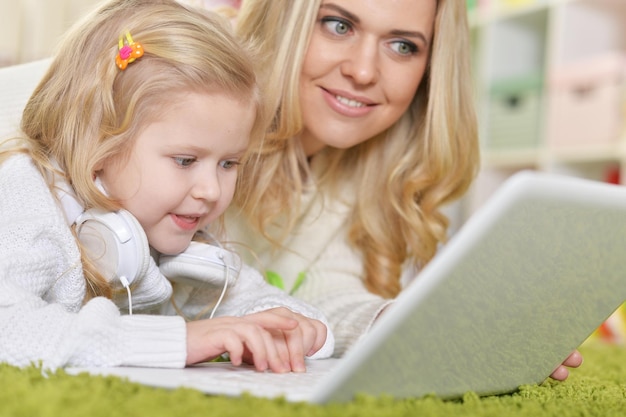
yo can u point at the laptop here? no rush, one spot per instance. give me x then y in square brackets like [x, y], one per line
[518, 288]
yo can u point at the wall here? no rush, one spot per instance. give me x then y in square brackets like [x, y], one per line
[30, 29]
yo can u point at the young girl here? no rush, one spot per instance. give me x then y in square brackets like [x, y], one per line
[139, 127]
[373, 134]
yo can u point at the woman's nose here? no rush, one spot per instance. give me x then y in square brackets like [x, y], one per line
[361, 62]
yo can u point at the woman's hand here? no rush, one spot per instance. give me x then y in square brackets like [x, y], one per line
[573, 361]
[276, 339]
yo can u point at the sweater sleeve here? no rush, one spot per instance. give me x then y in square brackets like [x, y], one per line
[317, 249]
[56, 335]
[248, 295]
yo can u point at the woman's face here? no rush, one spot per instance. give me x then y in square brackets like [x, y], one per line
[364, 64]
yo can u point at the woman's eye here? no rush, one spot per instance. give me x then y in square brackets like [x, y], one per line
[184, 161]
[336, 26]
[404, 47]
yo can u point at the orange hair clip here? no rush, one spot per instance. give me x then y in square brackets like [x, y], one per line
[128, 52]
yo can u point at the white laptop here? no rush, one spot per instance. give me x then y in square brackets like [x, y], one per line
[523, 283]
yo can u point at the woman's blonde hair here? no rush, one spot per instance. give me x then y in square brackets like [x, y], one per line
[85, 110]
[403, 176]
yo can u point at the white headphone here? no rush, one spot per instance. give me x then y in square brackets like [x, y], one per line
[114, 241]
[201, 263]
[204, 264]
[117, 244]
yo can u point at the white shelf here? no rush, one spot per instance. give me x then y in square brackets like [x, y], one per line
[522, 158]
[581, 154]
[516, 43]
[482, 17]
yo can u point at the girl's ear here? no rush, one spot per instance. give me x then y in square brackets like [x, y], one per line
[97, 169]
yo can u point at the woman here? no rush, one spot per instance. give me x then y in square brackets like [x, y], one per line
[374, 133]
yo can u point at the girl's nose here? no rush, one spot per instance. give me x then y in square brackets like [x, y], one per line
[207, 187]
[362, 62]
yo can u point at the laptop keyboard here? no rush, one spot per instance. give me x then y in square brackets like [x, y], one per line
[224, 378]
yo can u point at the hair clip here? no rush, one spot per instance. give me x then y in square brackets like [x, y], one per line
[128, 52]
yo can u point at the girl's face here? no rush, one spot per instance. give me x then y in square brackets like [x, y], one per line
[182, 169]
[362, 69]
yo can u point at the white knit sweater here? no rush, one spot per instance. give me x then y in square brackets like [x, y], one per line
[318, 249]
[42, 314]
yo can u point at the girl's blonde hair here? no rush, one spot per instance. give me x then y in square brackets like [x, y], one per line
[403, 176]
[85, 110]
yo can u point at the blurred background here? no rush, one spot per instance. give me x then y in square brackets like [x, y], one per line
[549, 77]
[30, 29]
[550, 80]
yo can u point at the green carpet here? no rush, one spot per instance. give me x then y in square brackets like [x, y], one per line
[598, 388]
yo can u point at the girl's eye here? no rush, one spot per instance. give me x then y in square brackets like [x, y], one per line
[404, 47]
[229, 164]
[336, 26]
[184, 161]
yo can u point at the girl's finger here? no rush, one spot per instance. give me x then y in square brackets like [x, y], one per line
[235, 348]
[295, 345]
[320, 337]
[275, 361]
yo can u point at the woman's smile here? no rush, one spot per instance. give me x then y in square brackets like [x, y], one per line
[347, 105]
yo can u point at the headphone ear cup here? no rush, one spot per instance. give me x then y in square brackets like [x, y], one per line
[140, 244]
[201, 264]
[115, 242]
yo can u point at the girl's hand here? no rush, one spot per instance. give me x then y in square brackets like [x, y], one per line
[275, 339]
[241, 338]
[573, 361]
[293, 344]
